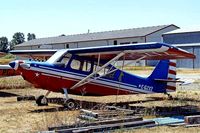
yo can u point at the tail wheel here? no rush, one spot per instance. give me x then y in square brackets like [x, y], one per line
[41, 101]
[70, 104]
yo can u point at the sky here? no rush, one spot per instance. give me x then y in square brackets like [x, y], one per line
[47, 18]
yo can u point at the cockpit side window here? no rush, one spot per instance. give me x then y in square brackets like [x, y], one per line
[76, 64]
[87, 66]
[83, 65]
[103, 71]
[63, 61]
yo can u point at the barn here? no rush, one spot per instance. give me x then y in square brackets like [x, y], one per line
[115, 37]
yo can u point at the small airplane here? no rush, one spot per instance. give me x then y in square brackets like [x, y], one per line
[92, 71]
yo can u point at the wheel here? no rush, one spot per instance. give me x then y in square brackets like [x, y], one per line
[70, 104]
[41, 101]
[170, 97]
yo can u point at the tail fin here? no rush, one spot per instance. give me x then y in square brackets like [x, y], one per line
[165, 72]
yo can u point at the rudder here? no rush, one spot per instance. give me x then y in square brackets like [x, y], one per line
[171, 86]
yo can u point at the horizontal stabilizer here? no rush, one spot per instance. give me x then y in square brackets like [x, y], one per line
[169, 80]
[5, 67]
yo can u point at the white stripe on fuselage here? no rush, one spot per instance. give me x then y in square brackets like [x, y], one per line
[78, 77]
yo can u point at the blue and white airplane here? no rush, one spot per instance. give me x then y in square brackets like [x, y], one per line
[92, 70]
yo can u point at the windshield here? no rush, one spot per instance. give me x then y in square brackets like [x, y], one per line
[54, 58]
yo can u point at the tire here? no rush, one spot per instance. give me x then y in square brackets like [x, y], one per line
[41, 101]
[70, 104]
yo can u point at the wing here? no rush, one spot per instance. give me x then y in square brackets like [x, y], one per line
[34, 54]
[149, 51]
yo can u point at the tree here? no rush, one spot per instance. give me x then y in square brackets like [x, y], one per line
[11, 45]
[3, 44]
[62, 35]
[30, 36]
[18, 38]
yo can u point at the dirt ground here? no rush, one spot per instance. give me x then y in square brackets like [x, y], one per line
[26, 116]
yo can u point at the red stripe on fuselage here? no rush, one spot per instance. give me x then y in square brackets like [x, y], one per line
[56, 83]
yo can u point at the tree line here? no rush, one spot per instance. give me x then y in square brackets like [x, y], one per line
[18, 38]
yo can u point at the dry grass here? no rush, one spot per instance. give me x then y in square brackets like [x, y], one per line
[13, 83]
[25, 116]
[20, 117]
[188, 71]
[5, 61]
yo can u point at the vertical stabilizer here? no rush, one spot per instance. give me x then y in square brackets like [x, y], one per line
[165, 73]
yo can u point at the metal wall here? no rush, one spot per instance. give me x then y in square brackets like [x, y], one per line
[197, 60]
[186, 63]
[190, 63]
[157, 36]
[182, 38]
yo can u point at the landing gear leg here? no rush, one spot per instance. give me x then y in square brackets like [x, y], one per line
[42, 99]
[69, 103]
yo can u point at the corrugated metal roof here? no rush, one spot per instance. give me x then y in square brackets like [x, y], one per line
[187, 45]
[125, 33]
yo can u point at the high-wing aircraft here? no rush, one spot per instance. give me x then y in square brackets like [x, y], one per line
[93, 71]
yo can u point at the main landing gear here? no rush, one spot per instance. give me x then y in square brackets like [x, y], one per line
[42, 99]
[68, 103]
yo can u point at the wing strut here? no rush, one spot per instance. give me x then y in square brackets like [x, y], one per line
[95, 72]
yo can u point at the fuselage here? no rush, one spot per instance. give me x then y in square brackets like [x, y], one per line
[55, 78]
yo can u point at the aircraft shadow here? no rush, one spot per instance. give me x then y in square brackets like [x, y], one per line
[185, 109]
[140, 109]
[92, 105]
[54, 109]
[7, 94]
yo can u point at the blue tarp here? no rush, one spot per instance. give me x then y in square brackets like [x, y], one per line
[169, 120]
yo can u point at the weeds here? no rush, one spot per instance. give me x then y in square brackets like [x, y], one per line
[15, 82]
[9, 56]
